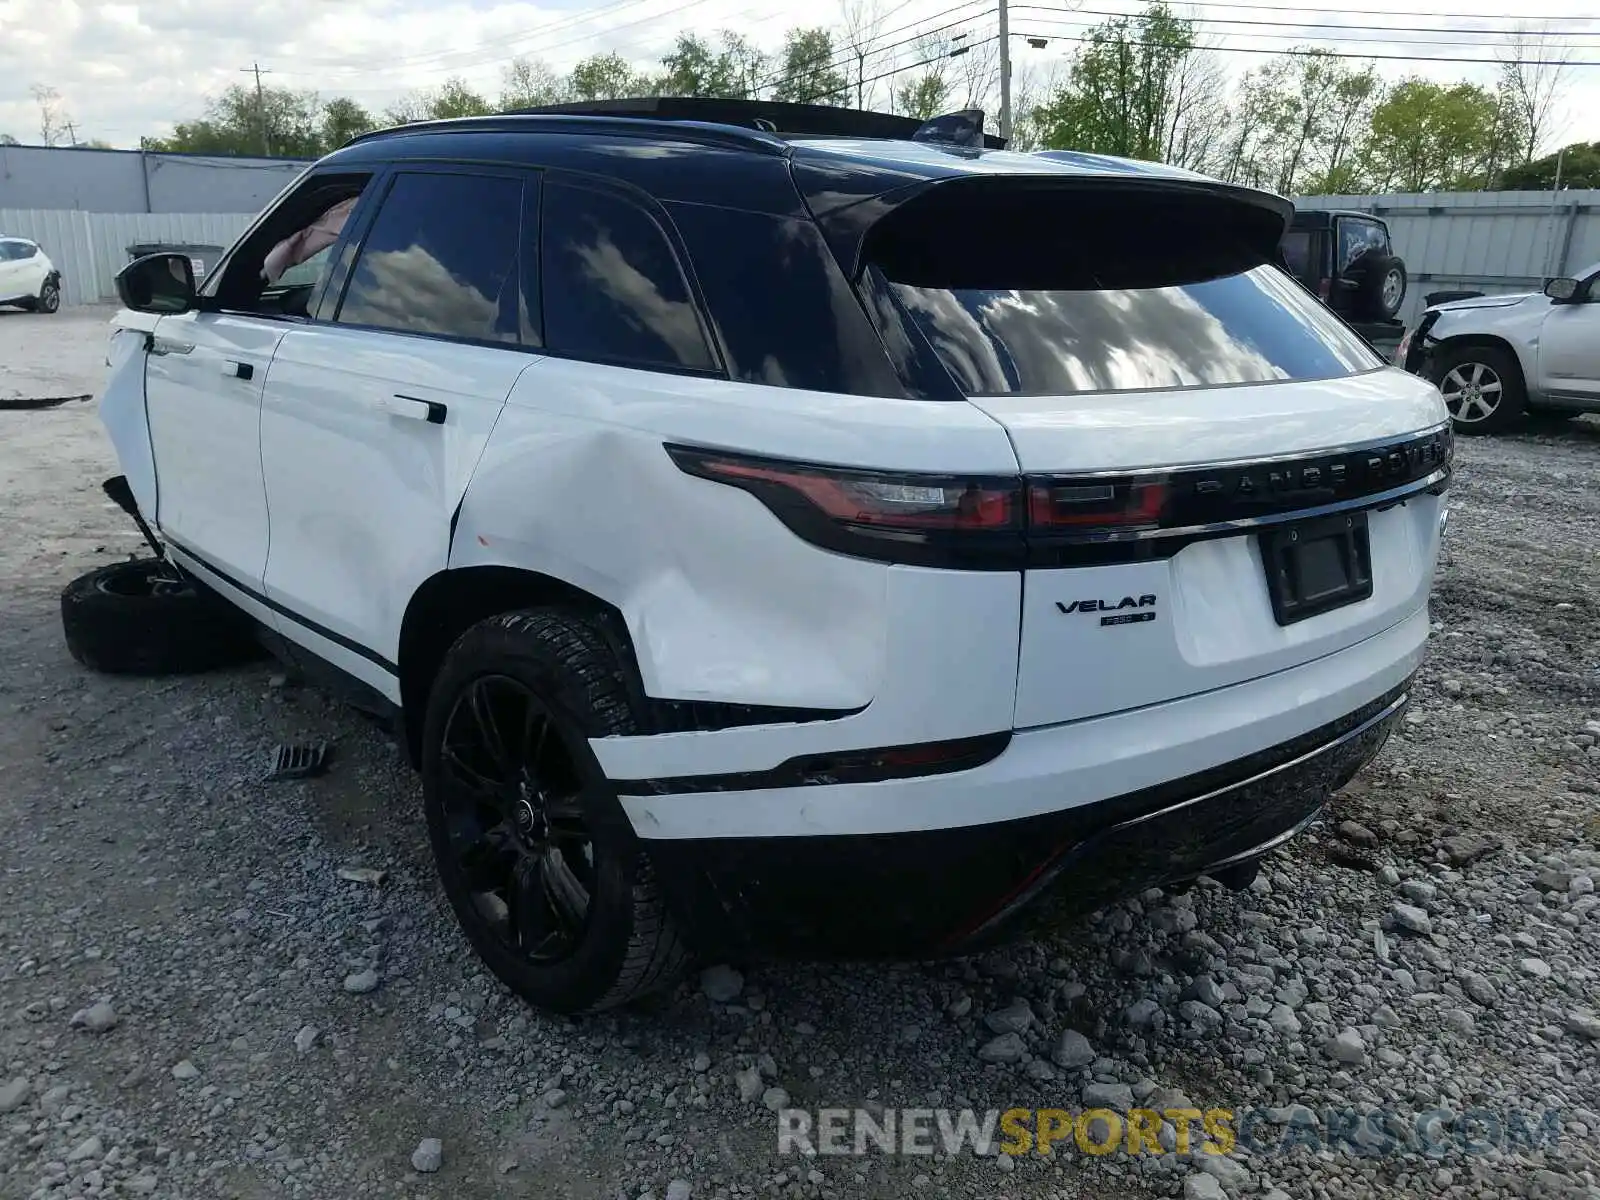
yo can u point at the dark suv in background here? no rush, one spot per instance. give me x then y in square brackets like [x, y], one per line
[1346, 258]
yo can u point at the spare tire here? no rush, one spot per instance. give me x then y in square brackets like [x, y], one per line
[145, 617]
[1382, 288]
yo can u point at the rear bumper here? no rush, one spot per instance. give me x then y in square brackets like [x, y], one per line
[935, 892]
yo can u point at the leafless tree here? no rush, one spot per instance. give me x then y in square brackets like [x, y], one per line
[53, 121]
[859, 25]
[1534, 92]
[1197, 116]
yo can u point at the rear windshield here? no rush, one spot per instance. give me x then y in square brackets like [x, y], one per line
[1150, 293]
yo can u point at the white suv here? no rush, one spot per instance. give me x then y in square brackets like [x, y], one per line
[809, 538]
[27, 276]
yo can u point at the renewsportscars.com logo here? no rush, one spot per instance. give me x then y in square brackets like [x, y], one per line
[1366, 1133]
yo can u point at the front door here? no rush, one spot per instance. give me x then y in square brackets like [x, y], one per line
[203, 382]
[204, 376]
[376, 413]
[1569, 346]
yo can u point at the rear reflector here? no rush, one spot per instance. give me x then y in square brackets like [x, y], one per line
[876, 765]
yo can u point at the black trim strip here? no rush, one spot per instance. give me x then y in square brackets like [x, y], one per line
[321, 631]
[844, 766]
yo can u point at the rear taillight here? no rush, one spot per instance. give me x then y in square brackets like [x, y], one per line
[1084, 507]
[929, 520]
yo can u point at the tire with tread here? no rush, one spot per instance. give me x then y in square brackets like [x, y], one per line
[144, 617]
[1513, 403]
[631, 945]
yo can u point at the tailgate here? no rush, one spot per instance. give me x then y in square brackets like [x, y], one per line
[1223, 479]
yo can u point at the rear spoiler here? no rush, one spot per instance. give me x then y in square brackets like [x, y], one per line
[847, 217]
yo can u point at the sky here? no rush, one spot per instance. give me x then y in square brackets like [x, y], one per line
[126, 68]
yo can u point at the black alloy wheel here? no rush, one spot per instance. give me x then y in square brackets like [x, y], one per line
[511, 795]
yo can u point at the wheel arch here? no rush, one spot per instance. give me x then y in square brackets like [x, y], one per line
[1492, 341]
[449, 602]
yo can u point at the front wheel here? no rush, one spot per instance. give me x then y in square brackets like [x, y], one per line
[49, 297]
[535, 854]
[1482, 387]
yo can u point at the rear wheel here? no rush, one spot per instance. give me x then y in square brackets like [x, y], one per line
[1482, 387]
[536, 856]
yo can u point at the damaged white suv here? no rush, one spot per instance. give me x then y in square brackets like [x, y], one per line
[784, 531]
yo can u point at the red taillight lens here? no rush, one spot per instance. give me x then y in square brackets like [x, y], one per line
[869, 498]
[958, 521]
[1084, 507]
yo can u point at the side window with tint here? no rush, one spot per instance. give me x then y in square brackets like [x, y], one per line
[442, 258]
[783, 310]
[613, 289]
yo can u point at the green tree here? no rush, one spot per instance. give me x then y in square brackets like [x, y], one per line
[808, 72]
[281, 122]
[456, 99]
[1436, 137]
[927, 92]
[343, 119]
[606, 77]
[1118, 95]
[1580, 168]
[530, 83]
[694, 68]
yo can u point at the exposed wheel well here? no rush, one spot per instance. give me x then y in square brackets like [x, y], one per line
[451, 602]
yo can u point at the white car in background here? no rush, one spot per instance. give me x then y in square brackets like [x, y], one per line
[28, 278]
[1496, 358]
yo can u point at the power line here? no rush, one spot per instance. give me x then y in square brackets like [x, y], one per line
[1314, 24]
[1371, 12]
[844, 58]
[1487, 62]
[496, 46]
[907, 67]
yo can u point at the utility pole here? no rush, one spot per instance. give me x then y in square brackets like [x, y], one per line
[72, 132]
[261, 106]
[1005, 71]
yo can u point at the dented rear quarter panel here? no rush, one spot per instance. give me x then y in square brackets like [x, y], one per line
[721, 600]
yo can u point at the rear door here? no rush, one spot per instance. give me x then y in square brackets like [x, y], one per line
[376, 413]
[1184, 413]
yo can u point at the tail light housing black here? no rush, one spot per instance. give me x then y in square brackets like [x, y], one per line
[1007, 522]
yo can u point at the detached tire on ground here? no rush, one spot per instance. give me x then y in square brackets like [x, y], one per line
[535, 853]
[144, 617]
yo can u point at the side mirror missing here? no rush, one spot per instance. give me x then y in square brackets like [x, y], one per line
[157, 283]
[1561, 290]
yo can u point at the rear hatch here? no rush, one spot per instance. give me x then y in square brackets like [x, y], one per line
[1223, 480]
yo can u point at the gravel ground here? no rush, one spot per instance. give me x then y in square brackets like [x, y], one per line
[194, 1003]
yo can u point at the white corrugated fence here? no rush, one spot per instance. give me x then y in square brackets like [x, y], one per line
[90, 248]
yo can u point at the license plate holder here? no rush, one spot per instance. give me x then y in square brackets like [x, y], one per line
[1316, 566]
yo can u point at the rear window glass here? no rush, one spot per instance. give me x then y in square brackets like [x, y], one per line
[1049, 293]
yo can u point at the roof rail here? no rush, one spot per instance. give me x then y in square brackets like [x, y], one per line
[542, 121]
